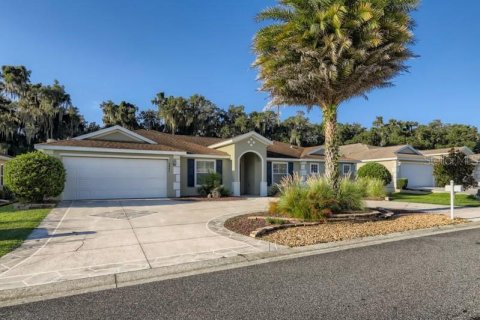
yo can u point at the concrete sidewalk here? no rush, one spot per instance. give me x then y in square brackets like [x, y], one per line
[84, 239]
[470, 213]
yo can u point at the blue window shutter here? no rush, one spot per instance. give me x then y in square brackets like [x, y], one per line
[191, 172]
[219, 167]
[269, 173]
[290, 168]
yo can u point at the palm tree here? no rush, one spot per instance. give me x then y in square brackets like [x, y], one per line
[324, 52]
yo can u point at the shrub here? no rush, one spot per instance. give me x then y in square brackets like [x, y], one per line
[350, 195]
[34, 176]
[275, 221]
[321, 197]
[212, 187]
[375, 170]
[293, 200]
[273, 191]
[315, 199]
[457, 167]
[376, 189]
[372, 188]
[273, 208]
[6, 194]
[224, 192]
[402, 183]
[212, 181]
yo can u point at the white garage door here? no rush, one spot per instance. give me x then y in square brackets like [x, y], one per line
[418, 175]
[114, 178]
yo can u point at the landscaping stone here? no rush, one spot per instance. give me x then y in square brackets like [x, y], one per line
[346, 230]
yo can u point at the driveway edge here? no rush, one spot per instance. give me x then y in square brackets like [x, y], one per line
[22, 295]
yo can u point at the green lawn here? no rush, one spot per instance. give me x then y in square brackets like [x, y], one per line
[16, 225]
[437, 198]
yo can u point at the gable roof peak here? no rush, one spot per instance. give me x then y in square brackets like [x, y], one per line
[106, 131]
[242, 137]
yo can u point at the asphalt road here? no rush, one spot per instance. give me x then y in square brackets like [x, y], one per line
[436, 277]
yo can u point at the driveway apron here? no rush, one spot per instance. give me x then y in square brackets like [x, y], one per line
[89, 238]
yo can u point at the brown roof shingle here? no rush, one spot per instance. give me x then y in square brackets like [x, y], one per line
[165, 142]
[190, 144]
[112, 145]
[440, 151]
[285, 150]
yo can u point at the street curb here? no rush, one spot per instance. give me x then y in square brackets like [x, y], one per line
[22, 295]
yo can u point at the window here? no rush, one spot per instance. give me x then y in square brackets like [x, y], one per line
[279, 170]
[202, 169]
[347, 169]
[314, 168]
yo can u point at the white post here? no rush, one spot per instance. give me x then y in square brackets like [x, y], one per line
[452, 198]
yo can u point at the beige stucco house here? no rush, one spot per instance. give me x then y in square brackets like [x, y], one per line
[120, 163]
[402, 161]
[439, 153]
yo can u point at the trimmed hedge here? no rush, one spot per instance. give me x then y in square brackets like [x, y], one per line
[375, 170]
[402, 183]
[34, 176]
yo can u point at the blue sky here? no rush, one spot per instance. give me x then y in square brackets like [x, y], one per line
[129, 50]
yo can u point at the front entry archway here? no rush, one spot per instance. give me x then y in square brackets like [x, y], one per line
[250, 174]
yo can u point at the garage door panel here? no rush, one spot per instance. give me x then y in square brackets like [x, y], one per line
[113, 178]
[418, 175]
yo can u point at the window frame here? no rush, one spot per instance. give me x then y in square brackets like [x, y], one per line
[196, 172]
[273, 174]
[347, 165]
[318, 168]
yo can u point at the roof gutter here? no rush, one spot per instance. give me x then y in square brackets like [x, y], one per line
[107, 150]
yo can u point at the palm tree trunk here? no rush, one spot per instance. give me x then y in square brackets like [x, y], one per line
[331, 145]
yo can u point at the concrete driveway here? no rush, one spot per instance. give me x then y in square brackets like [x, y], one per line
[88, 238]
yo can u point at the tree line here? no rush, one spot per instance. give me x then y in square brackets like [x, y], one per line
[33, 112]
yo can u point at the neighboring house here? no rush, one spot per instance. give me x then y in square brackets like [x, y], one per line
[119, 163]
[402, 161]
[439, 153]
[3, 160]
[476, 173]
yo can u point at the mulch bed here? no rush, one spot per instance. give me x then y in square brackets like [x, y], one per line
[243, 225]
[186, 198]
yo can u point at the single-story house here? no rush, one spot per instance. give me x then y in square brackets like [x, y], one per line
[3, 160]
[119, 163]
[439, 153]
[402, 161]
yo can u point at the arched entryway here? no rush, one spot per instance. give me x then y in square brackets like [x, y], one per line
[250, 174]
